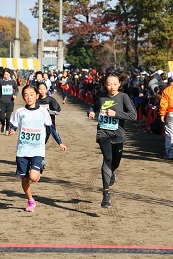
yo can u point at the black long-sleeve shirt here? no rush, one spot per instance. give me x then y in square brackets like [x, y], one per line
[125, 110]
[8, 88]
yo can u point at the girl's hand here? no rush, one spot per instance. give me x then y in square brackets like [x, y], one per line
[91, 115]
[14, 96]
[110, 112]
[63, 147]
[11, 132]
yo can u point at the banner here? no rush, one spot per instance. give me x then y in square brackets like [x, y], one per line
[19, 63]
[170, 66]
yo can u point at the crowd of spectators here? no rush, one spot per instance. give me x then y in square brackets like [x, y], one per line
[144, 87]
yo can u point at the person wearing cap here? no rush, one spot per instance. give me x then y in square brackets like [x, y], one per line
[134, 86]
[166, 113]
[156, 79]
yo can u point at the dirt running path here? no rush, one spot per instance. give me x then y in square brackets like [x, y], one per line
[69, 193]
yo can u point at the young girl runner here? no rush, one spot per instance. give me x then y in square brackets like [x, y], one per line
[64, 81]
[53, 108]
[49, 103]
[114, 108]
[32, 121]
[8, 93]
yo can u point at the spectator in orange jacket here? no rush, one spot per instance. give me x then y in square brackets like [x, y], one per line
[166, 113]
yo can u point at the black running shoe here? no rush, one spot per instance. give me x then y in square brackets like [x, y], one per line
[106, 200]
[113, 179]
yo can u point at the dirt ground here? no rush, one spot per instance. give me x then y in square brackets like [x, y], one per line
[69, 193]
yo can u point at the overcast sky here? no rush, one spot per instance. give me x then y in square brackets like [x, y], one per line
[7, 8]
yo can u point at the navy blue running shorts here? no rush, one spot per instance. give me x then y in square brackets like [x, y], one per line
[25, 164]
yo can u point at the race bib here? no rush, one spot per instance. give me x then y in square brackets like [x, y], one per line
[30, 136]
[45, 106]
[7, 90]
[107, 122]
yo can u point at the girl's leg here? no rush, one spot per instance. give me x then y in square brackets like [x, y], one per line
[2, 116]
[8, 115]
[117, 150]
[63, 93]
[34, 175]
[9, 110]
[111, 158]
[36, 168]
[106, 148]
[26, 187]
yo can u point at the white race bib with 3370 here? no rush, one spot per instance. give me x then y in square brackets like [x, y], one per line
[30, 136]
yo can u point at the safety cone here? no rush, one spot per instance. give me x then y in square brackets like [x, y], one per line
[80, 94]
[92, 97]
[140, 115]
[87, 97]
[149, 117]
[74, 91]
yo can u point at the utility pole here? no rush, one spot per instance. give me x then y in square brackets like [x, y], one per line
[16, 53]
[39, 40]
[60, 40]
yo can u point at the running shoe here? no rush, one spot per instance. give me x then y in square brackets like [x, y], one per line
[43, 164]
[7, 133]
[31, 206]
[113, 179]
[106, 199]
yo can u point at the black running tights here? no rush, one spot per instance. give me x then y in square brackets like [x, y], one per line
[6, 110]
[112, 154]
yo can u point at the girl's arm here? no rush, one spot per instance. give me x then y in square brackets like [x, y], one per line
[12, 129]
[51, 130]
[54, 107]
[93, 109]
[129, 113]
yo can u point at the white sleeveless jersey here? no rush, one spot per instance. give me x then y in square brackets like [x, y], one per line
[32, 131]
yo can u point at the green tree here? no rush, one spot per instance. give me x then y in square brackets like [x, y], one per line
[139, 30]
[80, 55]
[7, 35]
[144, 28]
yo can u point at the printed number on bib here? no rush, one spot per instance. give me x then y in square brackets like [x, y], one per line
[31, 137]
[7, 90]
[107, 122]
